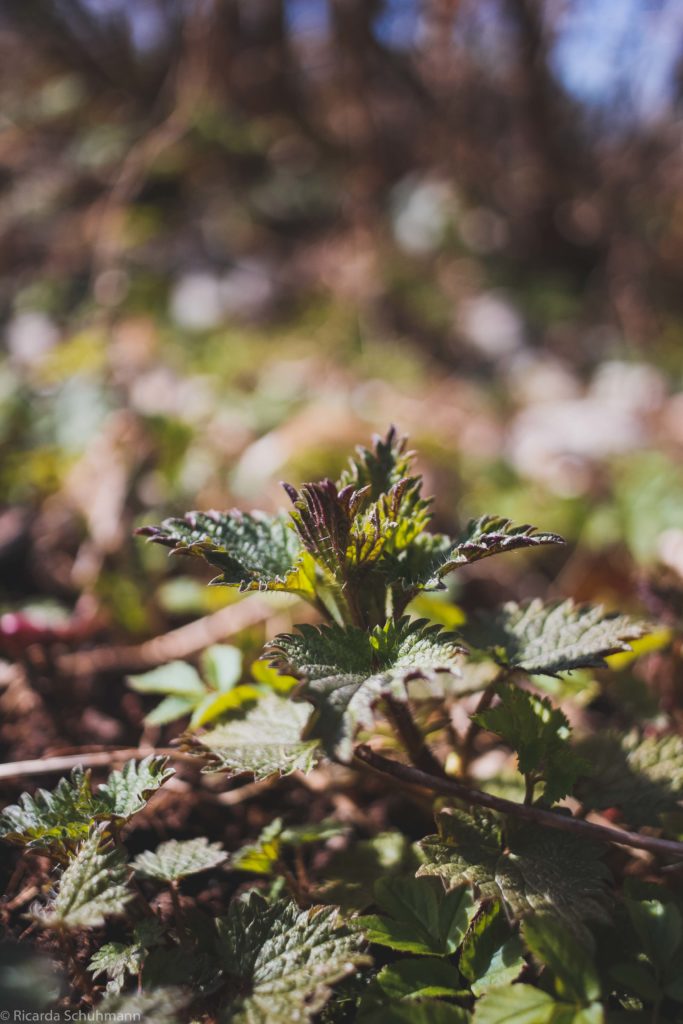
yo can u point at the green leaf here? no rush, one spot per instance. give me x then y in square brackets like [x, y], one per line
[351, 875]
[170, 709]
[265, 740]
[432, 557]
[422, 918]
[222, 666]
[346, 671]
[576, 979]
[63, 818]
[642, 777]
[281, 961]
[127, 791]
[378, 468]
[252, 552]
[154, 1006]
[91, 889]
[262, 857]
[426, 1011]
[516, 1004]
[177, 679]
[419, 978]
[491, 955]
[215, 705]
[540, 870]
[177, 859]
[466, 849]
[539, 735]
[492, 535]
[58, 819]
[187, 693]
[118, 961]
[547, 639]
[659, 928]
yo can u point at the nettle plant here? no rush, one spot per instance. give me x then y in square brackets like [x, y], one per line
[516, 910]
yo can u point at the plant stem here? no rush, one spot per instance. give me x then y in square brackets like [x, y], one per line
[473, 729]
[177, 909]
[412, 739]
[537, 815]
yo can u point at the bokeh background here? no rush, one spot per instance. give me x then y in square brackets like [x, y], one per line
[238, 236]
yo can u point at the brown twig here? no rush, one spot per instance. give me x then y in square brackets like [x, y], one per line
[411, 737]
[537, 815]
[178, 643]
[86, 759]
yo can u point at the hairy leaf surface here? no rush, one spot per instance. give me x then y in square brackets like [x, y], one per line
[91, 889]
[552, 638]
[265, 740]
[177, 859]
[346, 671]
[62, 818]
[252, 551]
[127, 791]
[281, 961]
[539, 870]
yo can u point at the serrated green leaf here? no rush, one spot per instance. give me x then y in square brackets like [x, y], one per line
[419, 978]
[491, 955]
[281, 961]
[127, 791]
[252, 552]
[380, 467]
[466, 849]
[91, 889]
[431, 557]
[61, 819]
[569, 961]
[547, 639]
[58, 819]
[540, 870]
[346, 671]
[118, 961]
[265, 740]
[491, 535]
[539, 735]
[421, 917]
[641, 776]
[154, 1006]
[177, 859]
